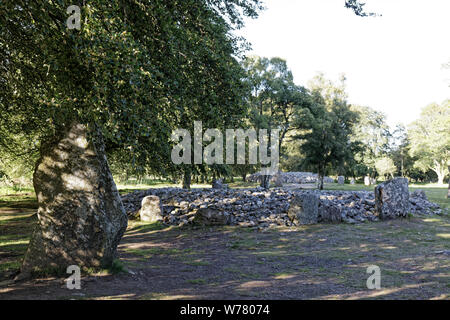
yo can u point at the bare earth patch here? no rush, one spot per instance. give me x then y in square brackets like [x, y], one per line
[311, 262]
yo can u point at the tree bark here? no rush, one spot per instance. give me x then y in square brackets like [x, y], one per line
[187, 179]
[81, 219]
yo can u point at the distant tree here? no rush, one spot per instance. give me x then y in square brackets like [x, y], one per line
[430, 139]
[326, 126]
[385, 166]
[274, 96]
[399, 148]
[372, 134]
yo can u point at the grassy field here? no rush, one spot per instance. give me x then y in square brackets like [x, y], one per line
[323, 261]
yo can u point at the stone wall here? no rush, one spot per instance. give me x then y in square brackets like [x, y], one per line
[264, 208]
[292, 177]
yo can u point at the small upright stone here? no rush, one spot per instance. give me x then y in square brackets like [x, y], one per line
[392, 199]
[367, 181]
[353, 181]
[151, 209]
[341, 180]
[278, 180]
[218, 184]
[304, 209]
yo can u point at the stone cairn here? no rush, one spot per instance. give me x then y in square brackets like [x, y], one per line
[291, 178]
[279, 207]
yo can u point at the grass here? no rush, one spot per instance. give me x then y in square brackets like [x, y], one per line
[196, 281]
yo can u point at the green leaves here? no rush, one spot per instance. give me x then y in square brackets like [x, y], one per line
[137, 69]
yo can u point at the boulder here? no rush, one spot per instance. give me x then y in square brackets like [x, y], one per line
[329, 213]
[304, 209]
[211, 217]
[277, 181]
[392, 199]
[81, 218]
[341, 180]
[151, 209]
[218, 184]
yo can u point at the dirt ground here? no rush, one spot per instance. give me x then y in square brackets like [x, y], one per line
[309, 262]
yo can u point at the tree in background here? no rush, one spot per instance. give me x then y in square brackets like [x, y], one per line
[325, 126]
[385, 166]
[430, 139]
[371, 132]
[274, 96]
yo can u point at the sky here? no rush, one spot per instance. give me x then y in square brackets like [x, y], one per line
[392, 63]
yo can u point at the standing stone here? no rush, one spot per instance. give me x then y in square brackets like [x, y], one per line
[329, 213]
[264, 181]
[211, 217]
[218, 184]
[304, 209]
[341, 180]
[367, 181]
[81, 218]
[392, 199]
[278, 180]
[352, 181]
[151, 209]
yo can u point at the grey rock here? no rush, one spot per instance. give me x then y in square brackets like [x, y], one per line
[211, 217]
[304, 209]
[151, 209]
[329, 213]
[341, 180]
[81, 218]
[392, 199]
[419, 194]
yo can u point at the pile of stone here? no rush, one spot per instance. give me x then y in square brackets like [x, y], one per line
[275, 207]
[292, 177]
[421, 205]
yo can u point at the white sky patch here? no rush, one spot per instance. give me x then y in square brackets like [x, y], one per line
[392, 63]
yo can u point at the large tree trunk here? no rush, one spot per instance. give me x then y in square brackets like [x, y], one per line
[440, 171]
[81, 218]
[440, 178]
